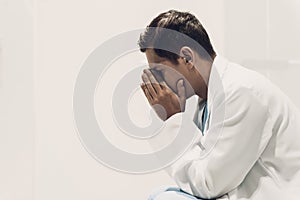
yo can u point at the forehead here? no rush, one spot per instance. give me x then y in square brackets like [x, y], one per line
[156, 61]
[153, 57]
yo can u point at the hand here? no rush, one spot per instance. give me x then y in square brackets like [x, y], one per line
[162, 99]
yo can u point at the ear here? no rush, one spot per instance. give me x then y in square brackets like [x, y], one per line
[188, 54]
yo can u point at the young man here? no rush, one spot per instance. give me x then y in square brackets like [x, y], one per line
[248, 144]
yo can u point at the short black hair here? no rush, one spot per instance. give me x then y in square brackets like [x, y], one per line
[183, 22]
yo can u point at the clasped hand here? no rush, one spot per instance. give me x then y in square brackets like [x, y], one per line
[163, 99]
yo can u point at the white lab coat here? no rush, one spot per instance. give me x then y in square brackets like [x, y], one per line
[251, 143]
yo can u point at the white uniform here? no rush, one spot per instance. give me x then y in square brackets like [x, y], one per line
[251, 143]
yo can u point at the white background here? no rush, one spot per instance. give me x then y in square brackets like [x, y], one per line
[42, 46]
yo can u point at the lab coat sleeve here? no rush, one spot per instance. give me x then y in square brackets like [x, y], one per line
[241, 138]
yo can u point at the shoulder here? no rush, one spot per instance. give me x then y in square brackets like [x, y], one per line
[238, 80]
[231, 82]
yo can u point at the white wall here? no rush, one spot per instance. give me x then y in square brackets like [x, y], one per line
[16, 101]
[263, 35]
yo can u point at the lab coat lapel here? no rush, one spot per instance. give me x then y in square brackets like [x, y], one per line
[214, 87]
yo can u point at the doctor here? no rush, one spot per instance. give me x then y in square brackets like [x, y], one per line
[248, 131]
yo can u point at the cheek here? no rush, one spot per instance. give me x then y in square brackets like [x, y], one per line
[171, 79]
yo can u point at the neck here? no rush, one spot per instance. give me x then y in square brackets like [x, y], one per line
[203, 74]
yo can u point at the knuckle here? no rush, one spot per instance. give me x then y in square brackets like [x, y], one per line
[160, 95]
[168, 93]
[155, 100]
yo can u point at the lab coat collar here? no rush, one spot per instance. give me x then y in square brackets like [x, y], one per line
[215, 85]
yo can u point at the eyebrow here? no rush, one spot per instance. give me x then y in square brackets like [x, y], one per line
[156, 68]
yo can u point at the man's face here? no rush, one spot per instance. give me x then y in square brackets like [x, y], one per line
[170, 73]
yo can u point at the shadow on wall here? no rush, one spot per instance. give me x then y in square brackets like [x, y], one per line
[285, 74]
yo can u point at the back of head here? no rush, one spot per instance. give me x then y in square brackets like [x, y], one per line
[183, 22]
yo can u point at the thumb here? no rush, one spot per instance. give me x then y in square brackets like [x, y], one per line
[181, 91]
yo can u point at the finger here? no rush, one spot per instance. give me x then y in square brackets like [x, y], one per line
[163, 84]
[149, 85]
[153, 80]
[159, 79]
[153, 75]
[146, 92]
[181, 91]
[148, 95]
